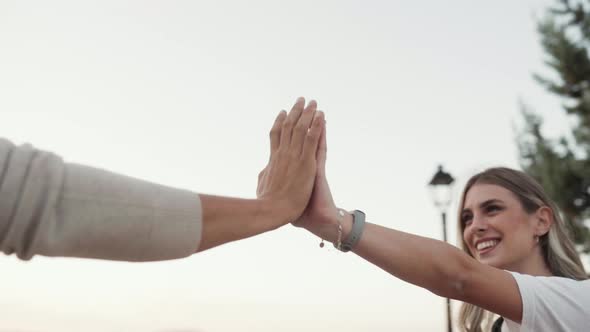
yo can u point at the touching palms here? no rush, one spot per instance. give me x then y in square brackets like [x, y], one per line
[321, 207]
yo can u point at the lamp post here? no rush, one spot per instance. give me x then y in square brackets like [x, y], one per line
[440, 188]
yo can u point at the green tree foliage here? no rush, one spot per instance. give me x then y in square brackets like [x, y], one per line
[562, 165]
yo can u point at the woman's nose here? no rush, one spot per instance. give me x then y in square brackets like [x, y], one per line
[479, 224]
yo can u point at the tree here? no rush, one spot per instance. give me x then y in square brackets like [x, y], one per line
[562, 165]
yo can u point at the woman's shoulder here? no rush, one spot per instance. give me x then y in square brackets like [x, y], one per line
[553, 303]
[554, 284]
[547, 278]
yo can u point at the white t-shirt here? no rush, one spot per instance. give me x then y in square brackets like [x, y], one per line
[551, 304]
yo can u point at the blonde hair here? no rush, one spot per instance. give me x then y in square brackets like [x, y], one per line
[557, 247]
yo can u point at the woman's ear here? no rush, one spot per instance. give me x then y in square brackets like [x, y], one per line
[544, 220]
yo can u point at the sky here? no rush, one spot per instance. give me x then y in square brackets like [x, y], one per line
[183, 93]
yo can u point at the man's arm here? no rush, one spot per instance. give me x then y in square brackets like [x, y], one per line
[52, 208]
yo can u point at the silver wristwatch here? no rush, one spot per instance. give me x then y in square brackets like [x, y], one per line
[358, 224]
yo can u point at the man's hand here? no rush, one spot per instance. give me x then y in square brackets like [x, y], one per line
[321, 214]
[286, 183]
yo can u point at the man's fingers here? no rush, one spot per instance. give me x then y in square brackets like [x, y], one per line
[291, 120]
[302, 127]
[275, 131]
[261, 182]
[262, 174]
[312, 139]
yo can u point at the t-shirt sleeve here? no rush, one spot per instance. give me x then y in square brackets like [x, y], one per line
[553, 303]
[52, 208]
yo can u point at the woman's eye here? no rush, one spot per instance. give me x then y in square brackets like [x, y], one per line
[466, 219]
[493, 208]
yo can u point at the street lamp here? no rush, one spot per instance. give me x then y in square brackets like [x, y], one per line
[440, 189]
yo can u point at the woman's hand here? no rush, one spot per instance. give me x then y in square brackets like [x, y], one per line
[321, 215]
[286, 183]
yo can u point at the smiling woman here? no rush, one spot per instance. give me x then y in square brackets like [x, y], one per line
[508, 222]
[498, 231]
[518, 261]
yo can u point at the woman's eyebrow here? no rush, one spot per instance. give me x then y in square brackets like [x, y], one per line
[483, 205]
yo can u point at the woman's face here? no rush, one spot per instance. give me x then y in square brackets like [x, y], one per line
[496, 229]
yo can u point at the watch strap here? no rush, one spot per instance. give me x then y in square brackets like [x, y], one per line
[358, 225]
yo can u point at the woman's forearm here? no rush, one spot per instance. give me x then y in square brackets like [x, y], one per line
[428, 263]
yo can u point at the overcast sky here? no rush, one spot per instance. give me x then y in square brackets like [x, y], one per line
[183, 93]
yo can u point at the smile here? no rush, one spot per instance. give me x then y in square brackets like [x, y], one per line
[486, 246]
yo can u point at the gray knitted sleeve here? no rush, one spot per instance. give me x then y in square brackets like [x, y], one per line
[52, 208]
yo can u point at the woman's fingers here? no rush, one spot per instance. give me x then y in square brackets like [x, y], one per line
[312, 139]
[291, 121]
[302, 127]
[322, 151]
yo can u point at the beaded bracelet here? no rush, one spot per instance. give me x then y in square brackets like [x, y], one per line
[338, 244]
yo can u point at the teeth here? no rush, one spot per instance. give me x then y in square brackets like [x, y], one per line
[486, 244]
